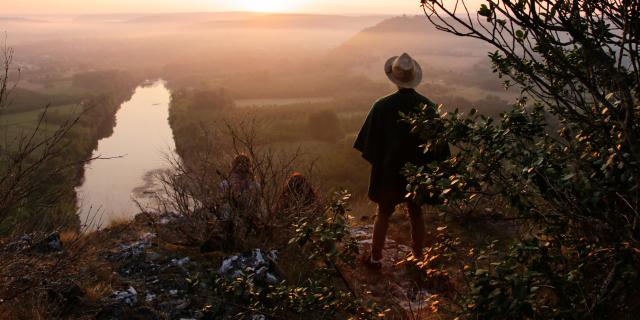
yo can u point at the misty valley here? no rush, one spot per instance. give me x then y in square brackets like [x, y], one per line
[316, 64]
[453, 163]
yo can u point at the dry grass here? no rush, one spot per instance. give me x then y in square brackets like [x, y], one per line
[69, 236]
[98, 291]
[119, 222]
[35, 285]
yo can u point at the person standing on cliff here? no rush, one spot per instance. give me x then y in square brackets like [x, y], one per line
[387, 143]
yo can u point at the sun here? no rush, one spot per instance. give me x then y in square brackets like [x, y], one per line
[268, 5]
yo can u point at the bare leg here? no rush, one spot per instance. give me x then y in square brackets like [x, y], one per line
[380, 227]
[417, 228]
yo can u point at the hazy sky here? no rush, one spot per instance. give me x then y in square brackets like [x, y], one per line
[117, 6]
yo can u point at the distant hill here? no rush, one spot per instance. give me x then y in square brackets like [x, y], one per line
[19, 19]
[213, 20]
[402, 24]
[190, 17]
[300, 21]
[105, 17]
[411, 34]
[454, 68]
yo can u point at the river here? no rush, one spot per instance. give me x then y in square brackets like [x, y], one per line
[138, 148]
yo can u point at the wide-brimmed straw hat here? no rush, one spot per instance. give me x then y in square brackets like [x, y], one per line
[403, 71]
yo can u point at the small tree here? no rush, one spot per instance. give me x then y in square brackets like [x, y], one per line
[577, 182]
[325, 125]
[5, 86]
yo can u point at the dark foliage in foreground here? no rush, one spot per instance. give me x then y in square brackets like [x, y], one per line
[576, 187]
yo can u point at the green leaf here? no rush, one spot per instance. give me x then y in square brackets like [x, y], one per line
[484, 11]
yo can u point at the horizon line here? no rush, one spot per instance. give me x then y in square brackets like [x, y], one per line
[211, 12]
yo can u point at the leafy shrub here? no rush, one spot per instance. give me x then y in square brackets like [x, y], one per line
[566, 161]
[327, 245]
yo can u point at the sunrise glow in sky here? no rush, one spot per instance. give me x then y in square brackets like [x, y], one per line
[137, 6]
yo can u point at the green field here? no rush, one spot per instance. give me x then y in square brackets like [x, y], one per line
[20, 124]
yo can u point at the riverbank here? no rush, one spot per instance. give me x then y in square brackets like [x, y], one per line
[141, 141]
[54, 144]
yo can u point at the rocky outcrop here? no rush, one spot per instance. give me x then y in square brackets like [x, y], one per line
[29, 243]
[262, 265]
[51, 243]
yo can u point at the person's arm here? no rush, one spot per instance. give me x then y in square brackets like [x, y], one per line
[369, 140]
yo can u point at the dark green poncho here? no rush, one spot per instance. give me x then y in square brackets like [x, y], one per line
[388, 144]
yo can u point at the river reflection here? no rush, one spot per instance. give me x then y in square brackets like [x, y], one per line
[141, 140]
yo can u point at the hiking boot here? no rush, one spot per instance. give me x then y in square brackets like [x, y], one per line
[366, 261]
